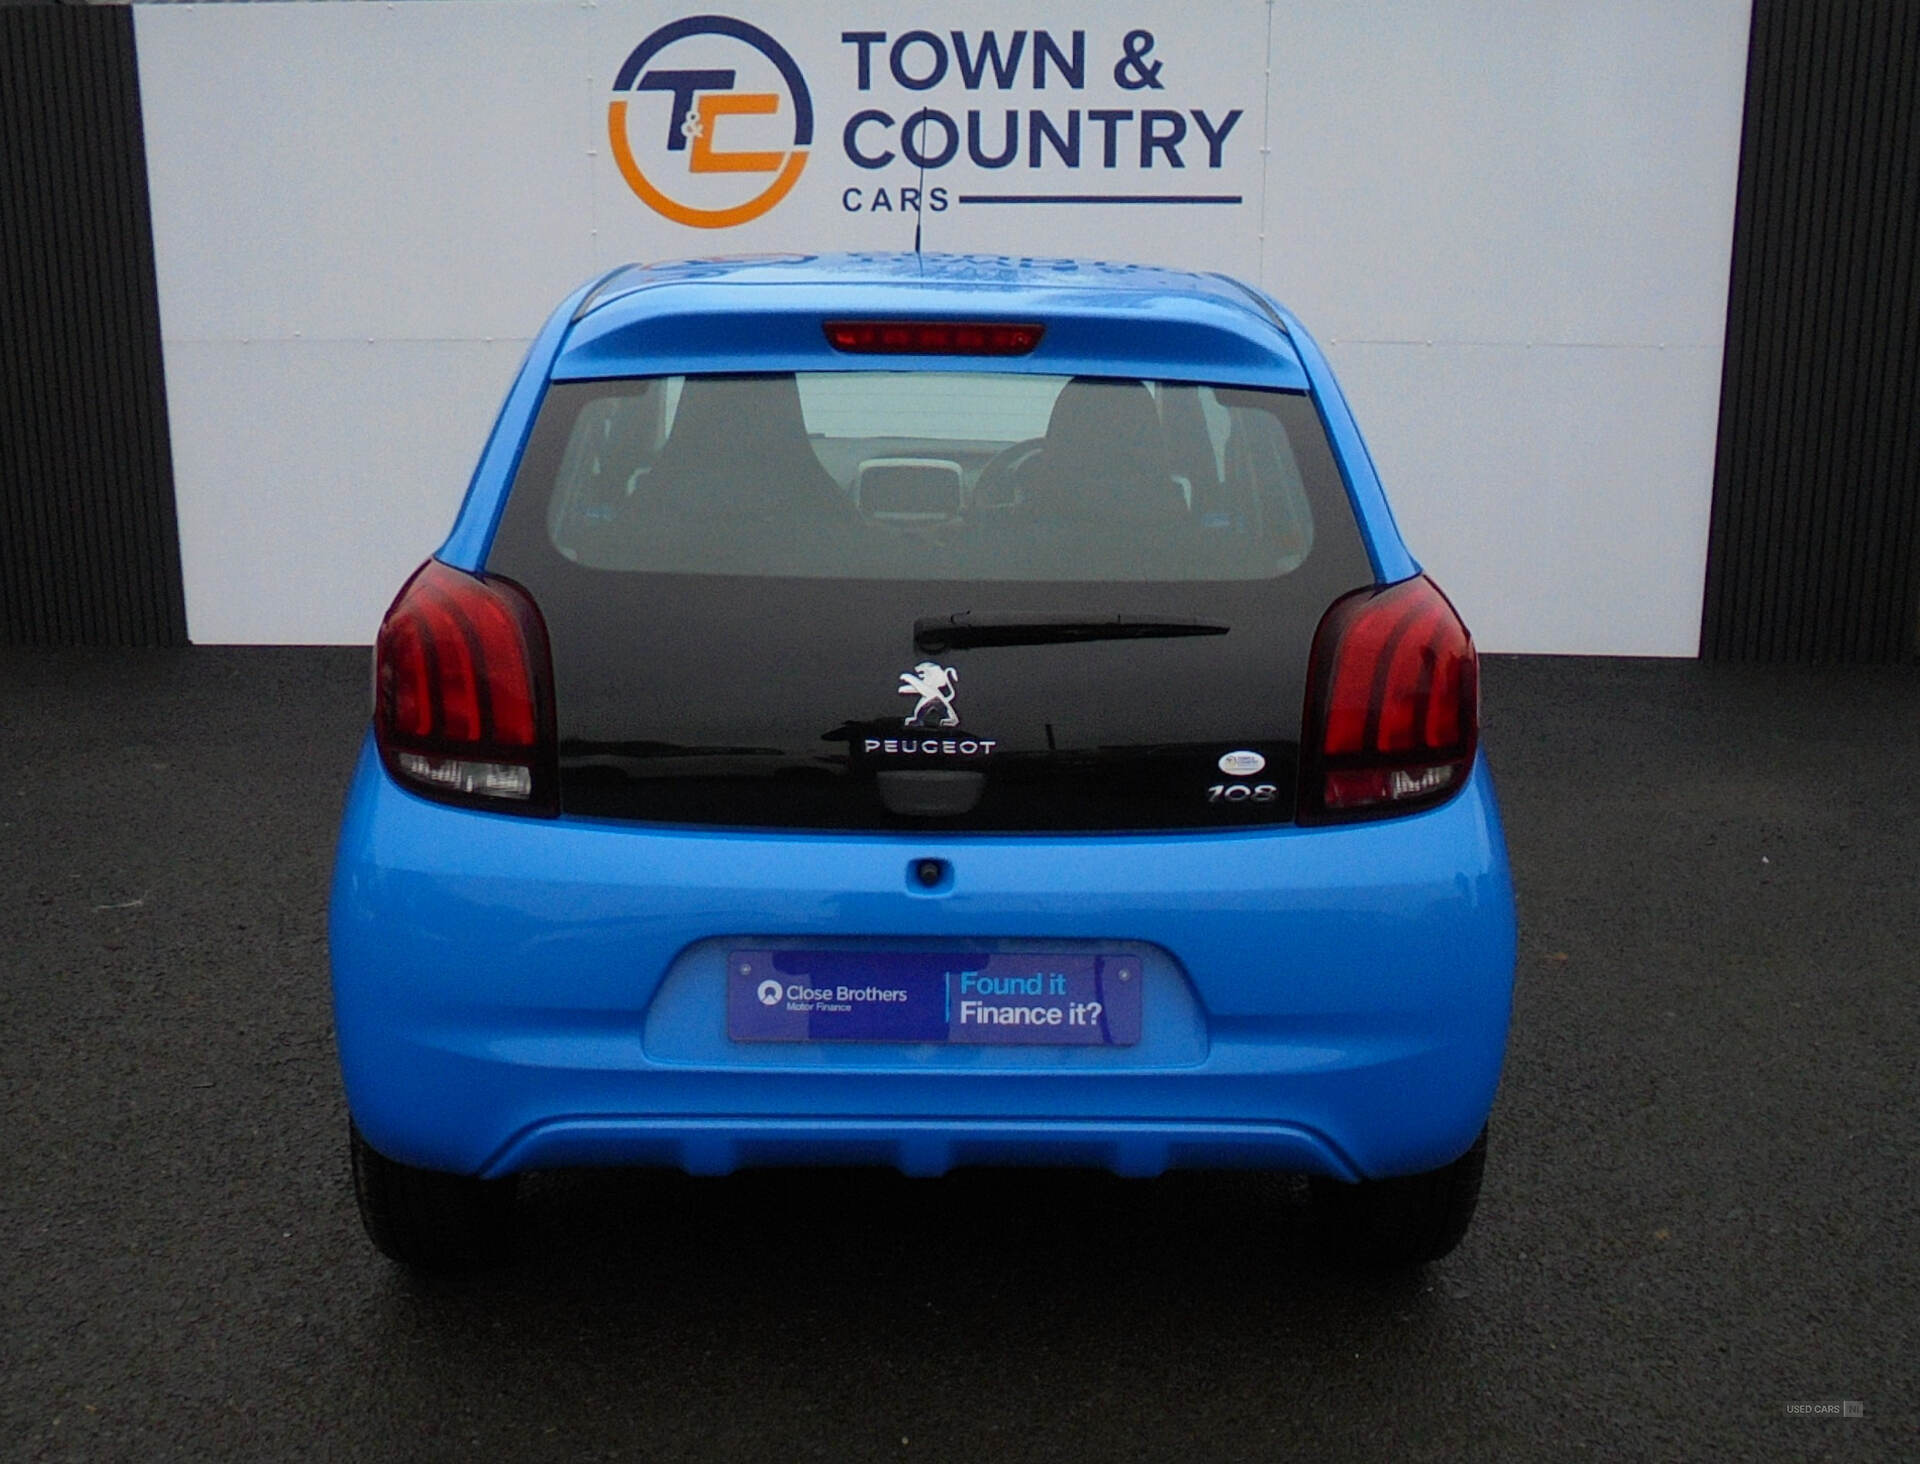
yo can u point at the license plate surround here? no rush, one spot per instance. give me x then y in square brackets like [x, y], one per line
[1030, 998]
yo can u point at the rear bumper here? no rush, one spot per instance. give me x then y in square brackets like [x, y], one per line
[514, 994]
[918, 1146]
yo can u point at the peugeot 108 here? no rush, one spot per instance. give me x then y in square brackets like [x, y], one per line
[921, 712]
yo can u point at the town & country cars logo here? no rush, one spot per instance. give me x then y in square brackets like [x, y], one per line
[697, 134]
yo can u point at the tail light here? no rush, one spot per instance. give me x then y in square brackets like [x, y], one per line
[1393, 705]
[463, 693]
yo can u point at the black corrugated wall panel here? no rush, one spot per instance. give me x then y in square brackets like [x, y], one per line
[89, 544]
[1816, 499]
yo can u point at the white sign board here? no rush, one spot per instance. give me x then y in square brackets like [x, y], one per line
[1509, 225]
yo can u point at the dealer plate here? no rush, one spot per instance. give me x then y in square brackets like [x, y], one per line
[1024, 999]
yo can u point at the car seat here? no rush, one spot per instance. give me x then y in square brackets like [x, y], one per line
[1104, 459]
[738, 449]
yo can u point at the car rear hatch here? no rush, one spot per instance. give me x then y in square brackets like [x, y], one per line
[963, 600]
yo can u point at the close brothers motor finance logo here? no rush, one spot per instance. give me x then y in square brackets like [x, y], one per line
[713, 84]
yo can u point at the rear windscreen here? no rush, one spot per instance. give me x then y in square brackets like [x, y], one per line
[932, 476]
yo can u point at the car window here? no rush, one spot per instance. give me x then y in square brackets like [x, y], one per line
[932, 475]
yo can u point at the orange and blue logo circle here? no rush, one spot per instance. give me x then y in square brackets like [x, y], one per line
[694, 175]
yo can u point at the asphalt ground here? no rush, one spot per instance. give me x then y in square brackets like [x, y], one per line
[1700, 1211]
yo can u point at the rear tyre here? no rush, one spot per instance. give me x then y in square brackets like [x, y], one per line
[429, 1220]
[1392, 1224]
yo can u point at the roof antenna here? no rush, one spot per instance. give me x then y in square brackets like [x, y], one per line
[920, 193]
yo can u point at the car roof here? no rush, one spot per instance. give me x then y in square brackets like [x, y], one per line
[767, 312]
[989, 271]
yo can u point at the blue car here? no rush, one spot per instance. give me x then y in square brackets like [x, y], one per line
[921, 712]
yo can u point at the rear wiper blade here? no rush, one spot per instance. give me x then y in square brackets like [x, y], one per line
[965, 630]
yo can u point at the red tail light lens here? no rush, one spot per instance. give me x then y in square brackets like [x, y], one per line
[462, 699]
[932, 337]
[1393, 705]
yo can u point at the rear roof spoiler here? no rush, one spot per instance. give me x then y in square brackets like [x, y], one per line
[1261, 301]
[603, 289]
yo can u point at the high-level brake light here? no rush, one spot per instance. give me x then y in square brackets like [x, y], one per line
[462, 704]
[932, 337]
[1393, 705]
